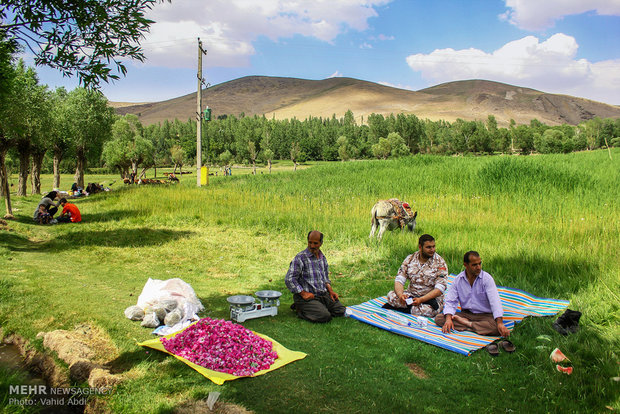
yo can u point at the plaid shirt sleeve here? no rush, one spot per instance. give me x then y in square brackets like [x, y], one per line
[292, 276]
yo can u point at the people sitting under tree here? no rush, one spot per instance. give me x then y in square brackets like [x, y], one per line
[49, 207]
[70, 212]
[41, 216]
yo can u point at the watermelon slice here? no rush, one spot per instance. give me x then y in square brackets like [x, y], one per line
[564, 370]
[558, 356]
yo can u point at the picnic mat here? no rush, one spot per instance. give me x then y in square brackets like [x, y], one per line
[285, 356]
[517, 305]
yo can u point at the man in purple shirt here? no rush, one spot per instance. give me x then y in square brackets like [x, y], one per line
[481, 308]
[308, 279]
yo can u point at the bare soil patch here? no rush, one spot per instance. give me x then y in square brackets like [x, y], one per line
[417, 370]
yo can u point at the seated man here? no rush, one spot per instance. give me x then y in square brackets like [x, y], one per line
[481, 309]
[426, 272]
[70, 212]
[308, 279]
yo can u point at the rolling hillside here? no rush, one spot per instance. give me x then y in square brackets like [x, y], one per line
[283, 98]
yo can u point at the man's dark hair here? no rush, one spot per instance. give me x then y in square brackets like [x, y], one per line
[320, 235]
[425, 238]
[63, 200]
[469, 254]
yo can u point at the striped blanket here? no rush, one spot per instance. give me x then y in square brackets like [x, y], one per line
[517, 305]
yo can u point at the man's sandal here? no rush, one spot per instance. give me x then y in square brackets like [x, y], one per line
[493, 349]
[507, 346]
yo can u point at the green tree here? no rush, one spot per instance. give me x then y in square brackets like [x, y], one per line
[225, 158]
[27, 102]
[41, 141]
[382, 149]
[267, 153]
[160, 151]
[253, 152]
[398, 148]
[83, 37]
[295, 154]
[377, 128]
[7, 77]
[59, 133]
[178, 157]
[128, 149]
[91, 122]
[343, 151]
[550, 142]
[524, 139]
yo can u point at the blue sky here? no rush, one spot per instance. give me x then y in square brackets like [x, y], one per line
[558, 46]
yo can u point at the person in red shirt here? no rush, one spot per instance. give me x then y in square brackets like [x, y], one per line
[70, 212]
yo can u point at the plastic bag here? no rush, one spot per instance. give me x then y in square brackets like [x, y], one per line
[173, 317]
[169, 304]
[135, 313]
[157, 291]
[172, 295]
[150, 320]
[160, 311]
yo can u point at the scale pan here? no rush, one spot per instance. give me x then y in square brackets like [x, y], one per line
[240, 300]
[268, 294]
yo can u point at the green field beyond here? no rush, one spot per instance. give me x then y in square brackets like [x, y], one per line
[549, 225]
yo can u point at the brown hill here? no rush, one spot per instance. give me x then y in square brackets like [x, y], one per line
[283, 98]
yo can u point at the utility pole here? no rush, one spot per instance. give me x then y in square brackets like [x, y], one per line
[201, 52]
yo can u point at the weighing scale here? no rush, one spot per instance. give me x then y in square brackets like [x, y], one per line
[243, 307]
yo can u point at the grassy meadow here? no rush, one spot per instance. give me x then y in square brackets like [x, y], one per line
[549, 225]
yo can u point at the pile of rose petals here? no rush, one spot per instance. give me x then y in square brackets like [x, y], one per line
[222, 346]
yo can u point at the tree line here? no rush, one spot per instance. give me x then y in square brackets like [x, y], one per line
[248, 140]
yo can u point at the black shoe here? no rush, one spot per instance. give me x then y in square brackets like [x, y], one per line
[568, 322]
[574, 317]
[294, 308]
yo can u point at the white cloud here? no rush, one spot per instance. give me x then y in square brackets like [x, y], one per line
[228, 28]
[548, 66]
[365, 45]
[336, 74]
[538, 15]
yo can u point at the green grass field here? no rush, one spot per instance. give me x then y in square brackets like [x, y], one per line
[549, 225]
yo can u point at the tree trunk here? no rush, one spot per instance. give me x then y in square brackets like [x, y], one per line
[295, 169]
[79, 169]
[57, 159]
[24, 163]
[5, 183]
[253, 167]
[269, 162]
[37, 161]
[2, 174]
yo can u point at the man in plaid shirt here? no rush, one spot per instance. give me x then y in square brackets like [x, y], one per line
[308, 279]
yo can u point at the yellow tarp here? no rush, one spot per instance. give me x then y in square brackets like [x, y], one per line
[285, 356]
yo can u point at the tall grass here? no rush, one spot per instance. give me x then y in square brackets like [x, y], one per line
[546, 224]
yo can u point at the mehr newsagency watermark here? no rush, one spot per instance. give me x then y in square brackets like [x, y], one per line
[42, 395]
